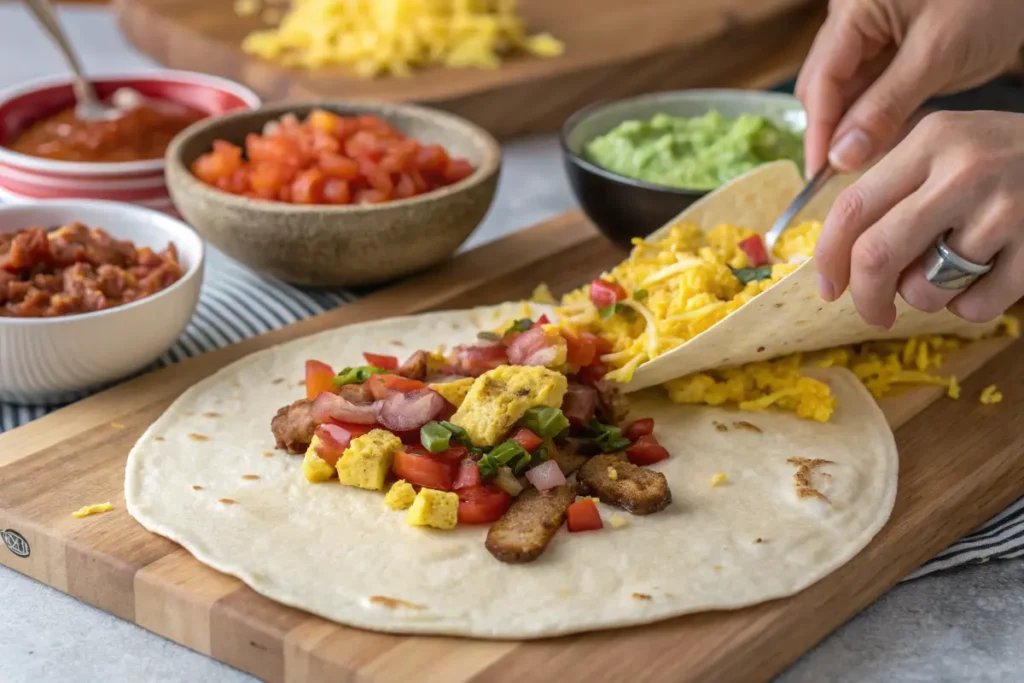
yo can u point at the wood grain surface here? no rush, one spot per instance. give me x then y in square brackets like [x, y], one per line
[960, 463]
[613, 49]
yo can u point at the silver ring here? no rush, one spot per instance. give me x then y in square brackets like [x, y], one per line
[947, 269]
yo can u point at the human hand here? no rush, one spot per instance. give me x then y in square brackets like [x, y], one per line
[955, 171]
[874, 62]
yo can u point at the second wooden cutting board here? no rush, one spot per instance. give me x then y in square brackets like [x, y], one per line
[960, 463]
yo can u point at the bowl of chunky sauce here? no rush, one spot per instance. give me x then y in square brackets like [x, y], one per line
[48, 152]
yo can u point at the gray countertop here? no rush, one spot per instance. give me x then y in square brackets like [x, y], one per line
[966, 625]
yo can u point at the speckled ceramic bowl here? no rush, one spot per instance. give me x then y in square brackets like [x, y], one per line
[338, 245]
[624, 208]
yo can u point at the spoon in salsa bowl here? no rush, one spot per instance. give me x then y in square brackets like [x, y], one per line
[88, 107]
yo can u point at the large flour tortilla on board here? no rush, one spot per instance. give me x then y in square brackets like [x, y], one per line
[790, 316]
[330, 549]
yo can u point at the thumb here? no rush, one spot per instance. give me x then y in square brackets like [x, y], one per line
[878, 116]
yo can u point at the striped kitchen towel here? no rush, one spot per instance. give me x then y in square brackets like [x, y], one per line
[237, 303]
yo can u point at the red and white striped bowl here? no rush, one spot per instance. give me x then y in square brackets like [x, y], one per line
[25, 178]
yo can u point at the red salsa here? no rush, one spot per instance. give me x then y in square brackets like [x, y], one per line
[329, 159]
[141, 133]
[75, 269]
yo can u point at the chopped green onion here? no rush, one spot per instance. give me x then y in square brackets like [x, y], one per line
[608, 311]
[545, 421]
[356, 375]
[458, 432]
[608, 437]
[639, 295]
[502, 454]
[522, 464]
[748, 275]
[521, 325]
[488, 336]
[434, 437]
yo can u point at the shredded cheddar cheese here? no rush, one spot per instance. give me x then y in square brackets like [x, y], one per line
[92, 510]
[990, 395]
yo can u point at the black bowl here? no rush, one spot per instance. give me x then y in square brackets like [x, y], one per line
[624, 208]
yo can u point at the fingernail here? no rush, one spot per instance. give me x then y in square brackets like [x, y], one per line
[851, 152]
[825, 289]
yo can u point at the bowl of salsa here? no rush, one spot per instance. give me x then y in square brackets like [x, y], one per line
[47, 152]
[90, 292]
[635, 164]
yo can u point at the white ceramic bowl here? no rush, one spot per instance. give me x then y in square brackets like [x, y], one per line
[53, 360]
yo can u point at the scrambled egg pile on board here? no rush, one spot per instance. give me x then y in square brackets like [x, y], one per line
[375, 37]
[687, 284]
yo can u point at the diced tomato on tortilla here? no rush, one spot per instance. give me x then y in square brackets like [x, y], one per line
[422, 470]
[453, 455]
[753, 247]
[527, 439]
[382, 362]
[581, 349]
[583, 515]
[319, 378]
[467, 475]
[399, 383]
[593, 373]
[334, 438]
[543, 320]
[482, 504]
[639, 428]
[475, 360]
[532, 347]
[377, 387]
[646, 451]
[605, 294]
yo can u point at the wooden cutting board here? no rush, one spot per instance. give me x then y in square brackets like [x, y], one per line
[961, 463]
[613, 49]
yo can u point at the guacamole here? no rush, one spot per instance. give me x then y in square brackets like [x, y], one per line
[698, 153]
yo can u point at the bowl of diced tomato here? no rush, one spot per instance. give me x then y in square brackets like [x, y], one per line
[330, 194]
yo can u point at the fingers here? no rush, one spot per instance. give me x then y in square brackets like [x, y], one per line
[888, 247]
[859, 207]
[884, 108]
[996, 291]
[982, 237]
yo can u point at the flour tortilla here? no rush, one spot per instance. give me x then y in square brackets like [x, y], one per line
[790, 316]
[329, 549]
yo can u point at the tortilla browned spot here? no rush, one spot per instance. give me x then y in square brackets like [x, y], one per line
[641, 596]
[397, 342]
[780, 306]
[757, 540]
[268, 454]
[198, 437]
[720, 427]
[278, 380]
[116, 425]
[802, 477]
[197, 487]
[393, 603]
[250, 477]
[750, 427]
[301, 383]
[228, 501]
[158, 438]
[211, 414]
[760, 349]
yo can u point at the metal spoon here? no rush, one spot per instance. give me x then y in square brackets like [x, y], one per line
[88, 105]
[812, 188]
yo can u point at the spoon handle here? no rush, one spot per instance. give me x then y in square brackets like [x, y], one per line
[47, 18]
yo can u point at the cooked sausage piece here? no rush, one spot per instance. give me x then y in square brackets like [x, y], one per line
[293, 426]
[569, 457]
[359, 394]
[635, 489]
[415, 367]
[526, 528]
[612, 404]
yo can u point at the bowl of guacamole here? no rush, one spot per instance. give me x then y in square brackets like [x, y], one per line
[635, 164]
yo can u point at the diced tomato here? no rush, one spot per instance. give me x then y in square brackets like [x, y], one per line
[543, 320]
[308, 187]
[338, 166]
[753, 247]
[482, 504]
[604, 293]
[453, 455]
[377, 387]
[423, 471]
[383, 362]
[476, 360]
[334, 439]
[337, 191]
[593, 373]
[639, 428]
[467, 475]
[319, 378]
[583, 515]
[399, 383]
[581, 349]
[457, 170]
[527, 439]
[447, 412]
[646, 451]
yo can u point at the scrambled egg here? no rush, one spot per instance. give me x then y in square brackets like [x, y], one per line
[439, 509]
[315, 468]
[92, 510]
[454, 392]
[367, 460]
[617, 521]
[400, 496]
[990, 395]
[500, 397]
[542, 295]
[393, 36]
[689, 287]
